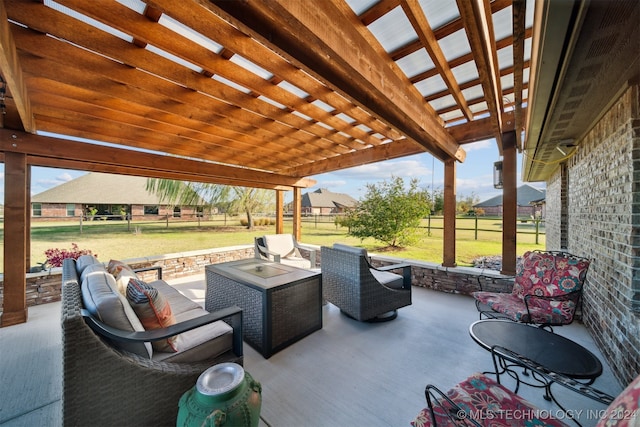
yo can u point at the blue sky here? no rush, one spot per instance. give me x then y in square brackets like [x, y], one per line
[474, 176]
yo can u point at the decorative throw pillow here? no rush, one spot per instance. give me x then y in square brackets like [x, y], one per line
[153, 310]
[115, 267]
[122, 280]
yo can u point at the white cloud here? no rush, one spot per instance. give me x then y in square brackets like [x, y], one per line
[479, 145]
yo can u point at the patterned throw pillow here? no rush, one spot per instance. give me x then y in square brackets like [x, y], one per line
[153, 310]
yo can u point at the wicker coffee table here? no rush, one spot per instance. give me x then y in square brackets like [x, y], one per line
[280, 304]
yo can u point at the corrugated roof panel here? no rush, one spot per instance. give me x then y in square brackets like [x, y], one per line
[173, 58]
[251, 67]
[444, 102]
[506, 81]
[87, 20]
[465, 72]
[452, 115]
[272, 102]
[505, 57]
[440, 12]
[416, 63]
[480, 106]
[527, 49]
[190, 34]
[503, 23]
[345, 118]
[230, 83]
[455, 45]
[473, 92]
[136, 5]
[323, 105]
[360, 6]
[431, 85]
[293, 89]
[393, 30]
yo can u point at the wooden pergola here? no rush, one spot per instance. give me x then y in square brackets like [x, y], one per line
[255, 93]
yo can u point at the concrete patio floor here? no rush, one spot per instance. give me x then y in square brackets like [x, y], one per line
[349, 373]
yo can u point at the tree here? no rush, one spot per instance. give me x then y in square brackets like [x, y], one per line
[465, 203]
[237, 199]
[390, 213]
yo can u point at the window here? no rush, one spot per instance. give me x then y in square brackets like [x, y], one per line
[177, 213]
[71, 209]
[36, 209]
[200, 211]
[151, 210]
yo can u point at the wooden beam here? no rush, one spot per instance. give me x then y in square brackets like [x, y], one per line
[328, 42]
[389, 151]
[449, 211]
[519, 34]
[14, 308]
[509, 204]
[237, 103]
[12, 72]
[481, 129]
[420, 24]
[131, 22]
[477, 19]
[147, 163]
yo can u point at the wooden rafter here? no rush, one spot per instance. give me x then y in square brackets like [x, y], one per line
[477, 21]
[12, 71]
[519, 35]
[150, 32]
[211, 25]
[327, 41]
[426, 35]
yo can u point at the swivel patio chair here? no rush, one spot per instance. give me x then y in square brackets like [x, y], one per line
[285, 249]
[546, 292]
[360, 290]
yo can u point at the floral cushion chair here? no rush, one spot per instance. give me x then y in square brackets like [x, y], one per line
[546, 290]
[481, 401]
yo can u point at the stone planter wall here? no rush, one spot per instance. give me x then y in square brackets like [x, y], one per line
[44, 287]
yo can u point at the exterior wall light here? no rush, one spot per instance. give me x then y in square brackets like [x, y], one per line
[497, 174]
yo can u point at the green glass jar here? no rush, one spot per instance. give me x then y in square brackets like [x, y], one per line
[224, 395]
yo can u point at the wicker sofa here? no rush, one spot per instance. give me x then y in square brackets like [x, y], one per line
[111, 375]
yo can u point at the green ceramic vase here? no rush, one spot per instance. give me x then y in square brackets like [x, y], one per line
[224, 395]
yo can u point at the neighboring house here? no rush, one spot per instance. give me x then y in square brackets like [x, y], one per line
[325, 202]
[106, 196]
[530, 202]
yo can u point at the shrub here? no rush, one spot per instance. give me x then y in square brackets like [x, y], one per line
[56, 255]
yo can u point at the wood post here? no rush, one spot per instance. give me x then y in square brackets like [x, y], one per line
[279, 211]
[449, 246]
[297, 212]
[16, 220]
[509, 203]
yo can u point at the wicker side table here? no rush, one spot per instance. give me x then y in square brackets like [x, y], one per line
[280, 304]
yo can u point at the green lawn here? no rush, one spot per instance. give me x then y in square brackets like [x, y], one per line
[115, 239]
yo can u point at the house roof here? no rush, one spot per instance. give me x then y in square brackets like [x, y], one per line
[100, 188]
[525, 195]
[323, 198]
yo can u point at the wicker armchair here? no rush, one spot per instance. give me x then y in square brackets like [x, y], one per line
[546, 292]
[285, 249]
[361, 291]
